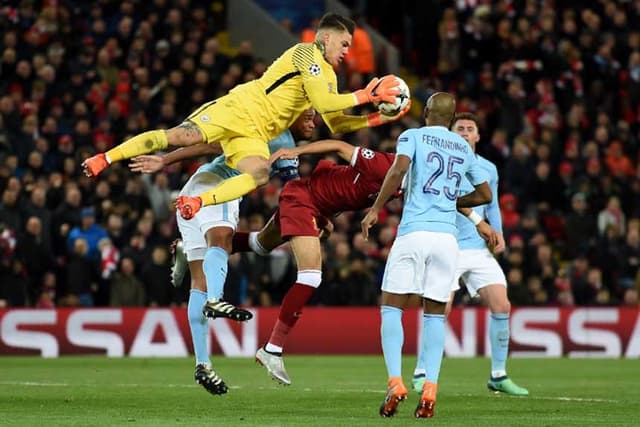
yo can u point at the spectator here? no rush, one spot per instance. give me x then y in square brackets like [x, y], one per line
[89, 231]
[61, 100]
[156, 277]
[35, 256]
[14, 285]
[517, 290]
[159, 195]
[360, 58]
[580, 226]
[629, 260]
[65, 216]
[37, 208]
[10, 211]
[517, 169]
[611, 215]
[126, 289]
[82, 275]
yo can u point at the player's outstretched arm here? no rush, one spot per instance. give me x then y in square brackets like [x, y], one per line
[154, 163]
[343, 149]
[385, 89]
[342, 123]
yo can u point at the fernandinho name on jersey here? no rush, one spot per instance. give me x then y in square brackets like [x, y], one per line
[445, 144]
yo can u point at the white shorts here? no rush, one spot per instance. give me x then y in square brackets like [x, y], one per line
[194, 229]
[422, 263]
[478, 268]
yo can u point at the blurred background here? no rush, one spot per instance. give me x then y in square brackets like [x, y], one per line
[556, 85]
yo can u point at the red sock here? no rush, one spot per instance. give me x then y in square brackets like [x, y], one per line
[290, 312]
[240, 242]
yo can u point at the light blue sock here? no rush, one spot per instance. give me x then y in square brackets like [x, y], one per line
[392, 335]
[198, 325]
[432, 344]
[499, 336]
[420, 364]
[215, 271]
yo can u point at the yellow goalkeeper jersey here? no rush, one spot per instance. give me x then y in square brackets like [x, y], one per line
[298, 79]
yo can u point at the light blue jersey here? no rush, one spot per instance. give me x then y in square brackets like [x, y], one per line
[468, 237]
[440, 159]
[285, 169]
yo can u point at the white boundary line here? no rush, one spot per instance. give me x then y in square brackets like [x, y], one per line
[307, 390]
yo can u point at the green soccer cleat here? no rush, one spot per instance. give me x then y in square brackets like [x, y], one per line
[417, 381]
[505, 385]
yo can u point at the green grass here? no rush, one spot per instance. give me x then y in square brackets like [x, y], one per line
[326, 391]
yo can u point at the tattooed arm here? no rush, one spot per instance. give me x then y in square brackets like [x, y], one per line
[185, 134]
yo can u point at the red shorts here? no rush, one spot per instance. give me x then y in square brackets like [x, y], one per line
[297, 214]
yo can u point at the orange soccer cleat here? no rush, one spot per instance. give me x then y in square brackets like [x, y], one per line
[188, 206]
[427, 403]
[93, 165]
[396, 393]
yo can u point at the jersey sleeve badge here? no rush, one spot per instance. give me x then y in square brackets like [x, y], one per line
[314, 69]
[367, 154]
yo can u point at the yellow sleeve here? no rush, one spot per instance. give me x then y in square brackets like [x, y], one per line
[319, 80]
[342, 123]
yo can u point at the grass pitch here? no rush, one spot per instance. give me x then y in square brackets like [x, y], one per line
[326, 391]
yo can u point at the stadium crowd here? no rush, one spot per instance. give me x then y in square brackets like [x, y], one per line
[556, 88]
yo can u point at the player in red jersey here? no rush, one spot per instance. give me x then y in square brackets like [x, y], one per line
[306, 206]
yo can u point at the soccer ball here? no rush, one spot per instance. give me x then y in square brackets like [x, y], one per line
[402, 99]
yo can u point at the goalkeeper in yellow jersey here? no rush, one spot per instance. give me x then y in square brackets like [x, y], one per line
[253, 113]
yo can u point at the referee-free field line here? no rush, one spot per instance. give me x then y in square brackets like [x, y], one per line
[275, 387]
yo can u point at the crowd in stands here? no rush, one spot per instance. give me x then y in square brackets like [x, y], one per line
[557, 90]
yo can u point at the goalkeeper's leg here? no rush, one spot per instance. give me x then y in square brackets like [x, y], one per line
[183, 135]
[249, 156]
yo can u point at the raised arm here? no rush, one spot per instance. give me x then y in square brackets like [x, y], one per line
[341, 148]
[320, 83]
[342, 123]
[191, 152]
[154, 163]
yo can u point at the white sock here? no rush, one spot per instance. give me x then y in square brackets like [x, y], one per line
[273, 348]
[498, 374]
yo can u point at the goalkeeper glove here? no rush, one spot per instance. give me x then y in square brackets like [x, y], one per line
[377, 118]
[92, 166]
[188, 206]
[384, 89]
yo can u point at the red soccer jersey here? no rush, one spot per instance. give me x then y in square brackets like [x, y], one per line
[336, 188]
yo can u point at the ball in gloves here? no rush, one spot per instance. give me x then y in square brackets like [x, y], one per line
[402, 99]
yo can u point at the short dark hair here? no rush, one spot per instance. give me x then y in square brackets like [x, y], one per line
[336, 22]
[465, 116]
